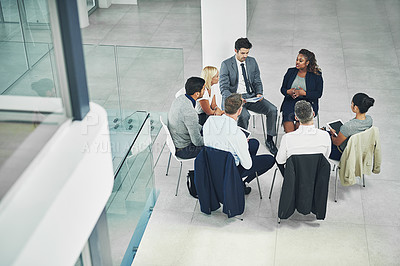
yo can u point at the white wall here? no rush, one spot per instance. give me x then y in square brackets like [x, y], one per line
[223, 22]
[83, 13]
[49, 213]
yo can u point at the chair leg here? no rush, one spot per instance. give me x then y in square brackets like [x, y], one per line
[336, 184]
[258, 184]
[262, 122]
[254, 121]
[277, 128]
[279, 220]
[272, 185]
[169, 160]
[363, 177]
[179, 179]
[318, 119]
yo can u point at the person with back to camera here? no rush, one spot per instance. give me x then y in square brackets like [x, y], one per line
[360, 104]
[307, 139]
[207, 105]
[303, 82]
[223, 133]
[240, 74]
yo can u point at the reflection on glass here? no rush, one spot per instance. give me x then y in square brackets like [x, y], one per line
[90, 4]
[29, 105]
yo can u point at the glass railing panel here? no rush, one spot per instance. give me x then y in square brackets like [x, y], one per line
[36, 11]
[101, 76]
[10, 31]
[147, 76]
[13, 63]
[134, 85]
[10, 10]
[124, 136]
[33, 73]
[133, 187]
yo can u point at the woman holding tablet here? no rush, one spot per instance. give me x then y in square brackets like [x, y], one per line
[207, 105]
[303, 82]
[359, 105]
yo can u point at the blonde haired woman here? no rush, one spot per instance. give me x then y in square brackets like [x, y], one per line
[207, 105]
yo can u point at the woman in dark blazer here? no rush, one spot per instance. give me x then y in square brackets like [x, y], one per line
[303, 82]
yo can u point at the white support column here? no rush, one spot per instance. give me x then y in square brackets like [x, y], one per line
[124, 2]
[107, 3]
[83, 14]
[104, 3]
[223, 22]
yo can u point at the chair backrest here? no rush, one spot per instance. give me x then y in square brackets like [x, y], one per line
[180, 92]
[169, 140]
[305, 186]
[368, 137]
[217, 181]
[362, 155]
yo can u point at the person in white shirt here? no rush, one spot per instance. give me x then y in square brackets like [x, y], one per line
[207, 105]
[222, 132]
[306, 139]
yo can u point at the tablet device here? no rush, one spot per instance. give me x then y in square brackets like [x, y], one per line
[246, 132]
[253, 99]
[335, 125]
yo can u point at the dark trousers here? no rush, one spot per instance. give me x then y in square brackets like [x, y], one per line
[261, 163]
[260, 107]
[188, 152]
[203, 118]
[336, 154]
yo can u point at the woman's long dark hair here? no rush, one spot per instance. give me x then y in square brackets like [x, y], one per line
[312, 65]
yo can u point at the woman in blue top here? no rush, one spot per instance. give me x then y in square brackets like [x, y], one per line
[360, 104]
[303, 82]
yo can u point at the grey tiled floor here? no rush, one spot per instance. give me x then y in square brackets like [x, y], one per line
[357, 44]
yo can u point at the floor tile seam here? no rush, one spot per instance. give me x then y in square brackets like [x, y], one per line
[172, 211]
[365, 230]
[194, 212]
[383, 225]
[294, 25]
[391, 34]
[375, 180]
[252, 18]
[344, 58]
[276, 242]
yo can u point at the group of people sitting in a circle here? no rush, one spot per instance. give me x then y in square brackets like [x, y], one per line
[195, 119]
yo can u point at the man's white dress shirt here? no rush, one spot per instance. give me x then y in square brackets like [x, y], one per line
[241, 84]
[304, 140]
[222, 132]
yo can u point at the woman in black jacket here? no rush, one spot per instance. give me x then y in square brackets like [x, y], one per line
[303, 82]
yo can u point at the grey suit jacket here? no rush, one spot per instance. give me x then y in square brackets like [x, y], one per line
[228, 81]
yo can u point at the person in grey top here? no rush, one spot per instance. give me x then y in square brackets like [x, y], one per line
[183, 122]
[240, 74]
[360, 104]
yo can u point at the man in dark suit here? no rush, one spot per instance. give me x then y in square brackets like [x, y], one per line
[240, 74]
